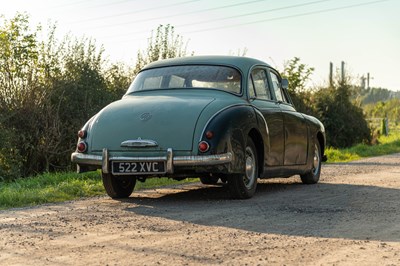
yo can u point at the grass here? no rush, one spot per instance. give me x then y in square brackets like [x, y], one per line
[58, 187]
[387, 145]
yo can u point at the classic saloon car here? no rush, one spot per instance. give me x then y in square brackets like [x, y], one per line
[213, 117]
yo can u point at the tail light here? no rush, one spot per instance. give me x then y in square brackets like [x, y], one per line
[82, 146]
[204, 146]
[82, 134]
[209, 134]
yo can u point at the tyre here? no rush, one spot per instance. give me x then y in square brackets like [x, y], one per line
[118, 187]
[243, 186]
[209, 180]
[312, 177]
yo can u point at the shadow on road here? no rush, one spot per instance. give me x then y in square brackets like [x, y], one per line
[324, 210]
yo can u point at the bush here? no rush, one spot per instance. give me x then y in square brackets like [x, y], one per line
[344, 122]
[48, 90]
[10, 160]
[298, 75]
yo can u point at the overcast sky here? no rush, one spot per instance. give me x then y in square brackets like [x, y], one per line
[363, 33]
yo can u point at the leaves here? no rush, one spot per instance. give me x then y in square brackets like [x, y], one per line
[164, 45]
[298, 75]
[48, 89]
[344, 122]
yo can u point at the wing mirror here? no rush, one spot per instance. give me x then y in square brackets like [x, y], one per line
[285, 84]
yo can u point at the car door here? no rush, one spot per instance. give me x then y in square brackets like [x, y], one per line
[261, 97]
[295, 126]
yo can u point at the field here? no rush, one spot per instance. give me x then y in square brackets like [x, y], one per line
[387, 145]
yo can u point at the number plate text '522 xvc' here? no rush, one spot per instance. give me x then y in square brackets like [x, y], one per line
[138, 168]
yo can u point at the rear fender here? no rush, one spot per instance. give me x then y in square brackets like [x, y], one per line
[230, 128]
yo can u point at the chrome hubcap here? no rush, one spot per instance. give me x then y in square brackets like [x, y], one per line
[250, 175]
[317, 159]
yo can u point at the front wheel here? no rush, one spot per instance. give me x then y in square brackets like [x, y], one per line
[312, 177]
[243, 186]
[118, 187]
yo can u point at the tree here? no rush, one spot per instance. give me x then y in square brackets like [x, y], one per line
[298, 75]
[389, 109]
[165, 44]
[48, 90]
[21, 93]
[118, 77]
[344, 122]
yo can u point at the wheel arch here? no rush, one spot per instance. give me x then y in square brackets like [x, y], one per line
[231, 129]
[322, 141]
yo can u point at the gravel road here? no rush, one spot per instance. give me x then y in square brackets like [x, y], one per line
[352, 217]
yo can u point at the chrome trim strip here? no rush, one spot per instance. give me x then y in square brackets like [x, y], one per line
[197, 160]
[139, 143]
[89, 159]
[105, 162]
[203, 160]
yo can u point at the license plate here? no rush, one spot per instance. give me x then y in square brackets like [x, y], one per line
[138, 168]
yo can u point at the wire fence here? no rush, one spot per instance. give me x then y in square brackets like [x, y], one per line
[384, 125]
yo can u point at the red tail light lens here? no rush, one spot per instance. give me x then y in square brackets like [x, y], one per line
[82, 146]
[204, 146]
[82, 134]
[209, 134]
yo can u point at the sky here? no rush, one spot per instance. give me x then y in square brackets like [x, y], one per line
[365, 34]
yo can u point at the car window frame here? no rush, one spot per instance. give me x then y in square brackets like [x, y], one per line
[251, 80]
[285, 96]
[276, 87]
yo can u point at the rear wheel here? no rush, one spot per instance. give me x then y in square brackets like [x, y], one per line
[118, 187]
[243, 186]
[312, 177]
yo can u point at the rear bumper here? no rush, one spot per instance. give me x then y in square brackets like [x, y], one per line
[103, 161]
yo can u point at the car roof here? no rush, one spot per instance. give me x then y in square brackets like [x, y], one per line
[240, 62]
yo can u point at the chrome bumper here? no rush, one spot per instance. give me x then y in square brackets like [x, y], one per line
[172, 161]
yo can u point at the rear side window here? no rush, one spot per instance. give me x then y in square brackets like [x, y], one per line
[277, 88]
[259, 78]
